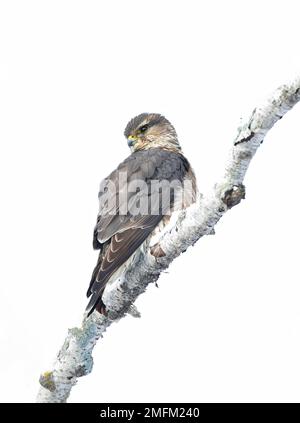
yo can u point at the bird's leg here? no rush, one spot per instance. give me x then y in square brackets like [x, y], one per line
[156, 251]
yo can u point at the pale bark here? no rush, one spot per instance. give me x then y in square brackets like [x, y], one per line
[75, 357]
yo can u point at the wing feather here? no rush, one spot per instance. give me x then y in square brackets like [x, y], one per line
[118, 235]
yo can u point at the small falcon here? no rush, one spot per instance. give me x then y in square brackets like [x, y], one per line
[137, 200]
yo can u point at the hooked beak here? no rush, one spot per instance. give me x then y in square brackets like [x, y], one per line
[131, 140]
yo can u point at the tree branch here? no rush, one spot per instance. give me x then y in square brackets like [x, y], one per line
[75, 357]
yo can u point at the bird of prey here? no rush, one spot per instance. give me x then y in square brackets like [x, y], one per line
[135, 203]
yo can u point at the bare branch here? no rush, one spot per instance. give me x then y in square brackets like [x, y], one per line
[75, 357]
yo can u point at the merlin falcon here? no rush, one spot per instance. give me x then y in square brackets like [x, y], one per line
[138, 200]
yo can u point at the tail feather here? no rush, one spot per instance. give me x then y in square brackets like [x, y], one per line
[96, 288]
[96, 303]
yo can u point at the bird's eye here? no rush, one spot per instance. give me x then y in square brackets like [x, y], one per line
[143, 128]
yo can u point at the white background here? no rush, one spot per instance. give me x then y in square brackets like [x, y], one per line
[224, 324]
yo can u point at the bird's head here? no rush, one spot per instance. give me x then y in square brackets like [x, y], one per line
[151, 130]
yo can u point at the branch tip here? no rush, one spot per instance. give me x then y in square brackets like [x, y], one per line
[47, 381]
